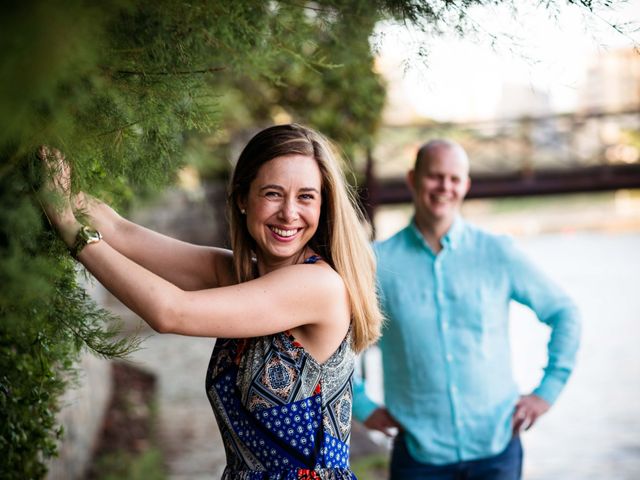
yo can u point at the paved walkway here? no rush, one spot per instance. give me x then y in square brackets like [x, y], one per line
[187, 429]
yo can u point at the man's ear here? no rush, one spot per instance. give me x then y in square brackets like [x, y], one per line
[411, 177]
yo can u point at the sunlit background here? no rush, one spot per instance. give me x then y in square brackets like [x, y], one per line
[513, 66]
[552, 71]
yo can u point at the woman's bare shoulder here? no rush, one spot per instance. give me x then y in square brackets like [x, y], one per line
[317, 280]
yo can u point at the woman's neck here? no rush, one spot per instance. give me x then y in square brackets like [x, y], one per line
[265, 265]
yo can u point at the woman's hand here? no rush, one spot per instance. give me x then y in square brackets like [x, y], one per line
[56, 194]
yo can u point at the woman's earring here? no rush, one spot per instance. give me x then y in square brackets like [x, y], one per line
[243, 211]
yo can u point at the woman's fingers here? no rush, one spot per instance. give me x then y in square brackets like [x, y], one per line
[55, 197]
[59, 172]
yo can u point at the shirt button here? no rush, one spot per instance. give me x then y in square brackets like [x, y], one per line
[454, 389]
[445, 326]
[449, 359]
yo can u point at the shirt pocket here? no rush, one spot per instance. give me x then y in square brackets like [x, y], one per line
[475, 306]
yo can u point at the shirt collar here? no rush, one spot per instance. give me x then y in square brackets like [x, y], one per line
[450, 240]
[453, 236]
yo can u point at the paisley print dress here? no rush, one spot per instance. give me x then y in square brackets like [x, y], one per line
[282, 415]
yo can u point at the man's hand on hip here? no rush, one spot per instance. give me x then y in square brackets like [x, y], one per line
[382, 421]
[527, 411]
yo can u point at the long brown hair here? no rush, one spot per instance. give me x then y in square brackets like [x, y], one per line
[340, 239]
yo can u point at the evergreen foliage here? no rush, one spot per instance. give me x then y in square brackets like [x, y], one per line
[330, 85]
[116, 86]
[123, 87]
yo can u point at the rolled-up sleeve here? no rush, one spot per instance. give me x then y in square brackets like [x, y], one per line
[531, 287]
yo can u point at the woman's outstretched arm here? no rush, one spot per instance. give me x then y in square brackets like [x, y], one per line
[309, 298]
[188, 266]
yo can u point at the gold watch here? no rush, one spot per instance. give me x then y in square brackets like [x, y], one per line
[85, 236]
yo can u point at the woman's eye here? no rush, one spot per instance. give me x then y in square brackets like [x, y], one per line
[307, 196]
[272, 194]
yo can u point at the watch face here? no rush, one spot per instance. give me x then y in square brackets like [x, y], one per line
[86, 236]
[90, 235]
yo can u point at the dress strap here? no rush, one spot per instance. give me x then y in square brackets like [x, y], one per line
[312, 259]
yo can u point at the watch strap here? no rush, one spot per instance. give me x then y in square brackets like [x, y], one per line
[85, 236]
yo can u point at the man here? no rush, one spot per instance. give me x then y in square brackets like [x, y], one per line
[445, 287]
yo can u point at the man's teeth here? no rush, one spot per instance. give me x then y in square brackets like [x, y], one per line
[284, 233]
[441, 198]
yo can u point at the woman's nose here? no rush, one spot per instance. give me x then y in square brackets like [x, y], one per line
[289, 210]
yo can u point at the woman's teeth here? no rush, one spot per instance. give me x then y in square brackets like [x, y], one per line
[284, 233]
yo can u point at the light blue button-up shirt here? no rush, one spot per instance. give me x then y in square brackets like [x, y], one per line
[445, 348]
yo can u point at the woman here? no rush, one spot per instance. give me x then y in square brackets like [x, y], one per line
[290, 304]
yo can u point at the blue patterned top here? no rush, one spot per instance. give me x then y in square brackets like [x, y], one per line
[282, 415]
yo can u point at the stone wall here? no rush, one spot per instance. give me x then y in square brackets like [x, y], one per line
[82, 413]
[193, 216]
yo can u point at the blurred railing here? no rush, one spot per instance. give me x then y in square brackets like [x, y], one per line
[561, 153]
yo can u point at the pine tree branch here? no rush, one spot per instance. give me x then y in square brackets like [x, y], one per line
[100, 346]
[589, 7]
[305, 6]
[166, 73]
[8, 165]
[117, 129]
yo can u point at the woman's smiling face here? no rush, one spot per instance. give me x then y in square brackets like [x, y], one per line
[283, 209]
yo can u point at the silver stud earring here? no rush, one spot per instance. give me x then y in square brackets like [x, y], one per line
[243, 211]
